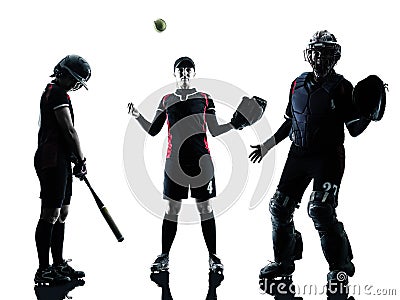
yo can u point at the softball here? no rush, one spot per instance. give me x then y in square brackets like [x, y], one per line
[160, 25]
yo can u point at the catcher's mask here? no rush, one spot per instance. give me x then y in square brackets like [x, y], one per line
[322, 53]
[75, 67]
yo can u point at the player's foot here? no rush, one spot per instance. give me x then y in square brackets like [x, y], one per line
[161, 263]
[337, 287]
[274, 269]
[50, 276]
[215, 263]
[65, 269]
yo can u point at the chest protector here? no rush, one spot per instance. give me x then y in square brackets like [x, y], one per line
[314, 121]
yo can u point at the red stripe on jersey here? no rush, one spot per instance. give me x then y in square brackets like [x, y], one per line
[206, 144]
[164, 98]
[204, 122]
[169, 150]
[206, 98]
[49, 87]
[204, 115]
[294, 85]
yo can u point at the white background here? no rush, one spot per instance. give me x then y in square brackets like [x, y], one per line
[255, 45]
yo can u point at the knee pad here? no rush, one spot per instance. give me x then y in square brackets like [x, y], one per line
[50, 215]
[206, 216]
[281, 208]
[63, 214]
[204, 208]
[321, 209]
[174, 207]
[172, 212]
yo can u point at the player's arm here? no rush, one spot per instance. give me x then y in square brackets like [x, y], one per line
[284, 130]
[215, 128]
[212, 122]
[64, 119]
[282, 133]
[261, 150]
[152, 128]
[355, 123]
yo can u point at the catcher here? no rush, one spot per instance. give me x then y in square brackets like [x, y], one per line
[321, 102]
[189, 113]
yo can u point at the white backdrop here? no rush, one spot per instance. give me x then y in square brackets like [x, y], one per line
[255, 45]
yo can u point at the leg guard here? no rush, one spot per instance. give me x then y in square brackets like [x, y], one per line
[287, 241]
[298, 246]
[334, 241]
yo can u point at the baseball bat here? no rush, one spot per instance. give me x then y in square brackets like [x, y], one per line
[105, 212]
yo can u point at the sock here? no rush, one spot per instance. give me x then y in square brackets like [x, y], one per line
[43, 239]
[169, 229]
[209, 232]
[57, 242]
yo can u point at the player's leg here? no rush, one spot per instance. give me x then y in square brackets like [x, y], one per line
[173, 193]
[203, 195]
[209, 233]
[322, 209]
[57, 242]
[170, 224]
[287, 241]
[52, 183]
[169, 229]
[43, 234]
[46, 273]
[207, 224]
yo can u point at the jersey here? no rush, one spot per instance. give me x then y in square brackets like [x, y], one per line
[319, 110]
[185, 111]
[51, 142]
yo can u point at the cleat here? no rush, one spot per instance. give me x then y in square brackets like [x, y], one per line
[65, 269]
[161, 263]
[50, 276]
[275, 269]
[215, 264]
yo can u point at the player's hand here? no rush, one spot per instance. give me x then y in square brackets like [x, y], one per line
[132, 110]
[79, 169]
[259, 152]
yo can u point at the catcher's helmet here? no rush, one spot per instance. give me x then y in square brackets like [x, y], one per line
[75, 66]
[322, 53]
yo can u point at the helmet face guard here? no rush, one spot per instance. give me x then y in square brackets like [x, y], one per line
[76, 67]
[322, 53]
[80, 81]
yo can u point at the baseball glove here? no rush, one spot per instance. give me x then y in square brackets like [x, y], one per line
[249, 111]
[369, 97]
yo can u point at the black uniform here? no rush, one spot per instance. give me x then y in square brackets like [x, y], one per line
[188, 161]
[53, 155]
[315, 119]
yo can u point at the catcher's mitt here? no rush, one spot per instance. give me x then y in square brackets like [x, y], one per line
[369, 97]
[249, 111]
